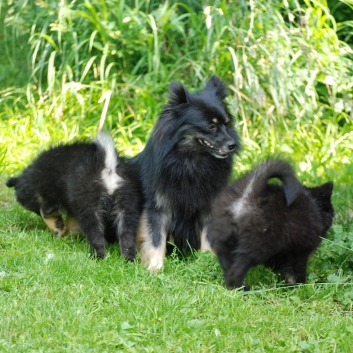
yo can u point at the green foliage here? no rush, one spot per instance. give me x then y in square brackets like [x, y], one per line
[112, 61]
[342, 12]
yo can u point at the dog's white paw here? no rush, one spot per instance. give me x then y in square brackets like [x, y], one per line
[155, 265]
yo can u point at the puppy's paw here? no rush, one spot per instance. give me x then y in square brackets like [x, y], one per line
[97, 251]
[155, 265]
[129, 254]
[128, 248]
[60, 232]
[236, 284]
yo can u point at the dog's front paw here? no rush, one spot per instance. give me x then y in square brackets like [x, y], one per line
[236, 284]
[155, 265]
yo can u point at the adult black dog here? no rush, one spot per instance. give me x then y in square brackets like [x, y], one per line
[92, 185]
[185, 164]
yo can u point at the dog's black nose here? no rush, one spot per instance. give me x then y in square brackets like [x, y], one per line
[231, 146]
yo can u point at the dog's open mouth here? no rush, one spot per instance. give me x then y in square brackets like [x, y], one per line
[219, 153]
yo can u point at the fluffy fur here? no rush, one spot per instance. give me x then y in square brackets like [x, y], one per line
[91, 184]
[256, 222]
[184, 165]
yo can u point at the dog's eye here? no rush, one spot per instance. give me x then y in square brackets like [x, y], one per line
[227, 124]
[211, 126]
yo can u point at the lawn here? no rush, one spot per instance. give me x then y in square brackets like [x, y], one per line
[54, 298]
[68, 67]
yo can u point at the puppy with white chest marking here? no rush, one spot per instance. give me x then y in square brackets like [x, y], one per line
[90, 183]
[185, 164]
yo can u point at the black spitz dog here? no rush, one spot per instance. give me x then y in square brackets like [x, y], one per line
[184, 165]
[91, 184]
[256, 222]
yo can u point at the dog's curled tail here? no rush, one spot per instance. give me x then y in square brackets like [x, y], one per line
[11, 183]
[276, 168]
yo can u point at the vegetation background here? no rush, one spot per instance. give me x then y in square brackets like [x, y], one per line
[68, 66]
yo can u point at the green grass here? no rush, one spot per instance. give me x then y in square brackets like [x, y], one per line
[68, 66]
[54, 298]
[289, 75]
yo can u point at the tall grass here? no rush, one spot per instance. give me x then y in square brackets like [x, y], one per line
[90, 61]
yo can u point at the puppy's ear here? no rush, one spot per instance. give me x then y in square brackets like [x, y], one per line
[178, 94]
[216, 85]
[326, 189]
[322, 192]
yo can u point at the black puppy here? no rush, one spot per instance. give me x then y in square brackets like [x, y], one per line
[256, 222]
[91, 184]
[184, 165]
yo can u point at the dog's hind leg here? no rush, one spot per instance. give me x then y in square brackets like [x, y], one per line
[152, 240]
[55, 223]
[91, 224]
[127, 231]
[125, 217]
[293, 267]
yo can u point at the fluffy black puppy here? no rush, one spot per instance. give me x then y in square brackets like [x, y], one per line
[256, 222]
[91, 184]
[184, 165]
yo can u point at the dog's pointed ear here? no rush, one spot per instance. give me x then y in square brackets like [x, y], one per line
[326, 189]
[216, 85]
[178, 94]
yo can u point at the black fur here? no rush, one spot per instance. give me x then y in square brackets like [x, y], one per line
[69, 179]
[180, 173]
[256, 222]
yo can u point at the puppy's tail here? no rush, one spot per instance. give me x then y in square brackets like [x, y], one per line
[109, 175]
[105, 141]
[276, 168]
[11, 183]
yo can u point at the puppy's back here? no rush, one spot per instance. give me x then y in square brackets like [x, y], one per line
[68, 169]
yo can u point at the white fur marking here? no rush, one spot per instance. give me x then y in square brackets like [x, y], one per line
[205, 244]
[239, 207]
[110, 178]
[162, 201]
[151, 257]
[291, 280]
